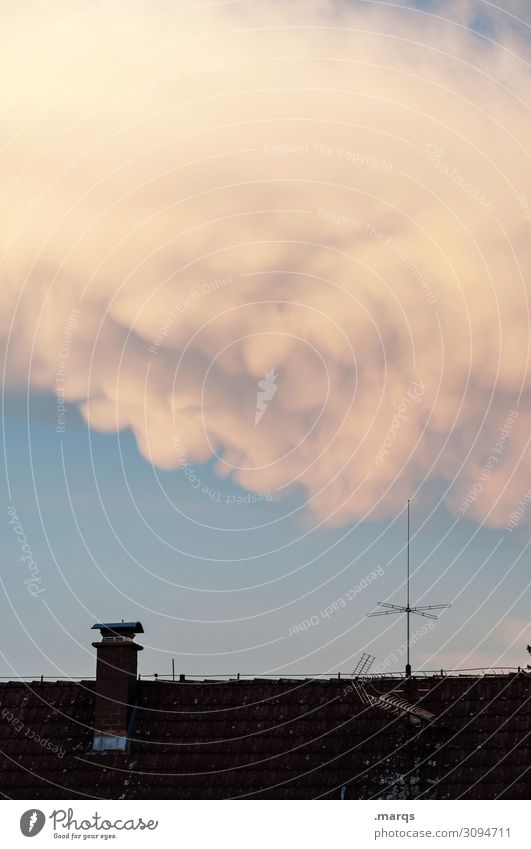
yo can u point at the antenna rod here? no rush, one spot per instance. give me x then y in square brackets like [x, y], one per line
[420, 610]
[408, 608]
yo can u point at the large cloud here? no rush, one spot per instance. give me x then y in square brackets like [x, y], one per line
[334, 195]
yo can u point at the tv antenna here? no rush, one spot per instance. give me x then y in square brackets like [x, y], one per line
[363, 665]
[407, 609]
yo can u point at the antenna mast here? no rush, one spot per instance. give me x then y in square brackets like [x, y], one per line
[407, 609]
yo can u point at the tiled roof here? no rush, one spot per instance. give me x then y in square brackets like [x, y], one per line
[265, 738]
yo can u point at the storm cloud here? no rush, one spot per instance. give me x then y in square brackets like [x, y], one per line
[319, 196]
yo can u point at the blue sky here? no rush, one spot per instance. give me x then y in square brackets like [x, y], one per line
[224, 601]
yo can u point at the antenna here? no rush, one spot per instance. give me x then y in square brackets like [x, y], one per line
[407, 609]
[363, 664]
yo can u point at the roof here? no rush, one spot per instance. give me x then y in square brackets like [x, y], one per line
[281, 739]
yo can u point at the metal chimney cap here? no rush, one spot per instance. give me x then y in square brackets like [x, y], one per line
[119, 627]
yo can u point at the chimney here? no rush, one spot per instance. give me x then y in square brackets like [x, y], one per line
[116, 677]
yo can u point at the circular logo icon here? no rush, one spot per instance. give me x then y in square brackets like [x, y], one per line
[31, 822]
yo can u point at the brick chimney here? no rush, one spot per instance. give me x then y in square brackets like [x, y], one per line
[116, 676]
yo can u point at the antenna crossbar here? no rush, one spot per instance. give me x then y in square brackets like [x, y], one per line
[385, 612]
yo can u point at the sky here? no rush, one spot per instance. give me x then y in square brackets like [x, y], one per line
[264, 273]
